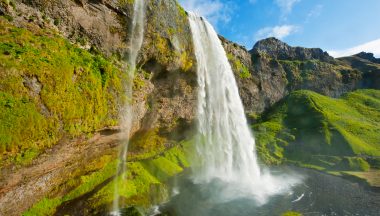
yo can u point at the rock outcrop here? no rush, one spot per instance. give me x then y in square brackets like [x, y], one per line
[281, 51]
[368, 56]
[277, 69]
[368, 65]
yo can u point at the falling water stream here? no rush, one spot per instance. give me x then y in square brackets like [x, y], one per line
[225, 147]
[226, 178]
[135, 43]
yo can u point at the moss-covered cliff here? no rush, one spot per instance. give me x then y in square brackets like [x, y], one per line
[51, 88]
[62, 76]
[62, 82]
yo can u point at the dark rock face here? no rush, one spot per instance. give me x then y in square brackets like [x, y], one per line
[282, 51]
[368, 66]
[277, 69]
[368, 56]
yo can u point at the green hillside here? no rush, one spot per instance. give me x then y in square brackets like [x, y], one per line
[44, 82]
[322, 132]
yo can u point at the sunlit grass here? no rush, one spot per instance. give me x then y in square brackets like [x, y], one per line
[320, 131]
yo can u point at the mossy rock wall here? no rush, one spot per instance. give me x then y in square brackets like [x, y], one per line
[144, 185]
[62, 83]
[50, 88]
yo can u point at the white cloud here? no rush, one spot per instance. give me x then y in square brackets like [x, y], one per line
[253, 1]
[215, 11]
[315, 12]
[279, 32]
[372, 47]
[286, 6]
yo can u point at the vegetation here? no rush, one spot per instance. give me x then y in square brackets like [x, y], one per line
[146, 143]
[321, 132]
[85, 184]
[291, 213]
[239, 67]
[168, 39]
[303, 72]
[44, 83]
[142, 177]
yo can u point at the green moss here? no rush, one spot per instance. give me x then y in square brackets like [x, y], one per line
[169, 41]
[66, 78]
[352, 164]
[181, 11]
[291, 213]
[143, 177]
[320, 131]
[138, 183]
[185, 61]
[167, 55]
[145, 144]
[43, 208]
[23, 128]
[86, 183]
[138, 83]
[238, 66]
[8, 2]
[124, 2]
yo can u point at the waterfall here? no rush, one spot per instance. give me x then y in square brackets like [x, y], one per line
[225, 144]
[126, 117]
[225, 147]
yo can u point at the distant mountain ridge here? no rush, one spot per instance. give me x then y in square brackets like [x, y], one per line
[368, 56]
[277, 69]
[282, 51]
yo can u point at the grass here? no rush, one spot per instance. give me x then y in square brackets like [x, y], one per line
[318, 131]
[142, 177]
[44, 82]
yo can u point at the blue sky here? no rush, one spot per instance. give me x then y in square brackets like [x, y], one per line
[342, 27]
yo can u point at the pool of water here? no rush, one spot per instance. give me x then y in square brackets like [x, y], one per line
[318, 194]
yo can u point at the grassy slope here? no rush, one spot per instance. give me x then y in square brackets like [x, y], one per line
[324, 133]
[142, 177]
[44, 83]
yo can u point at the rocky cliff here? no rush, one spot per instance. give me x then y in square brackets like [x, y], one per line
[62, 75]
[282, 51]
[369, 67]
[276, 69]
[62, 71]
